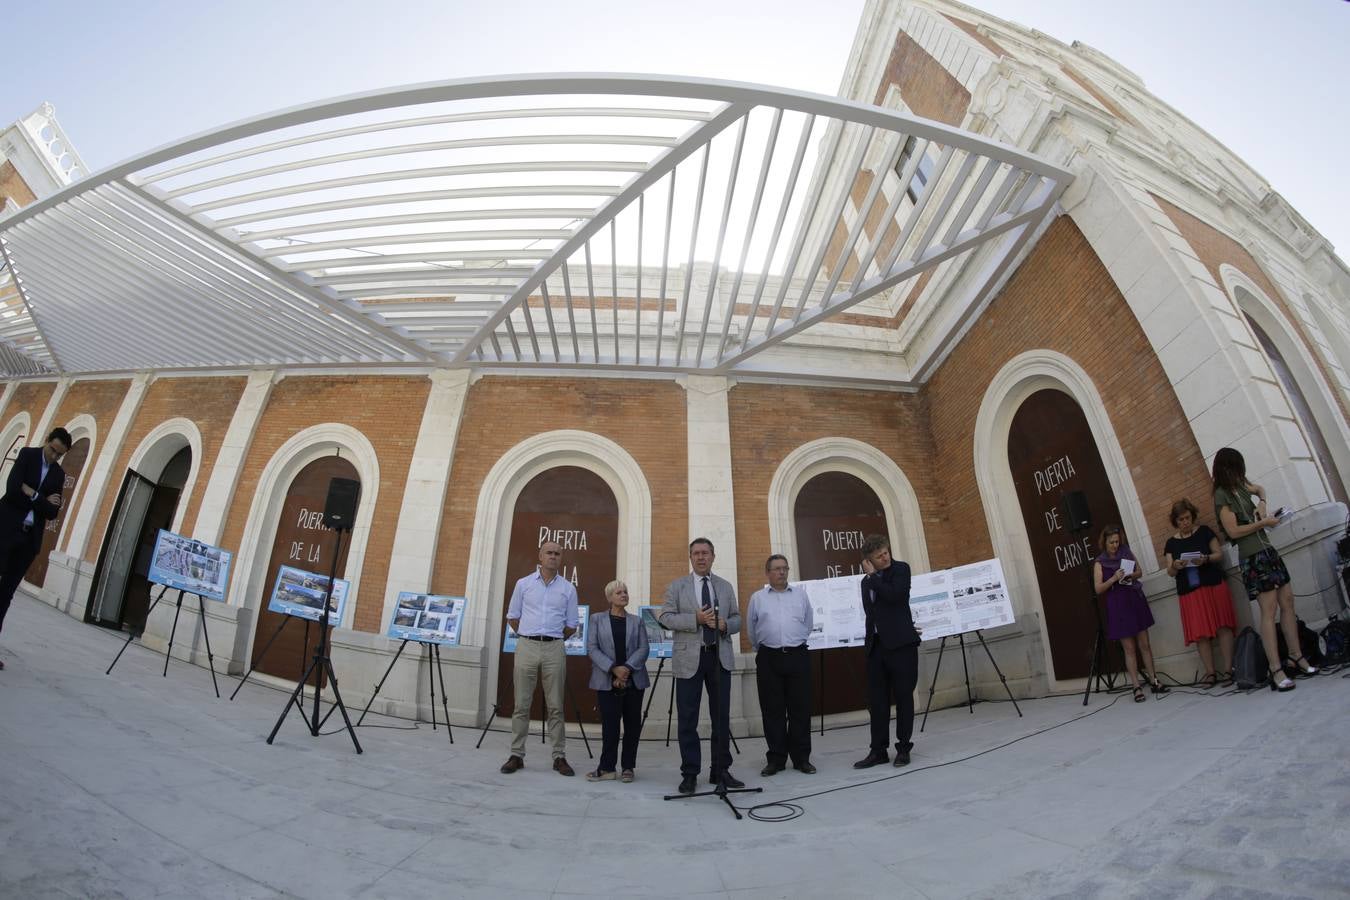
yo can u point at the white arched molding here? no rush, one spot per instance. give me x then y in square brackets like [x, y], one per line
[155, 450]
[1336, 337]
[485, 583]
[904, 521]
[1254, 302]
[1021, 377]
[255, 547]
[17, 430]
[80, 427]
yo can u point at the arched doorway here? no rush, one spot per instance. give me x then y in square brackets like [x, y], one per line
[832, 515]
[301, 542]
[576, 508]
[1052, 454]
[1317, 441]
[73, 465]
[145, 504]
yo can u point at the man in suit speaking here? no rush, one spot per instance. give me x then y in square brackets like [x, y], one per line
[32, 497]
[703, 611]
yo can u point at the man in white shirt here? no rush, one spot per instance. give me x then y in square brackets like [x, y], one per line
[543, 613]
[778, 624]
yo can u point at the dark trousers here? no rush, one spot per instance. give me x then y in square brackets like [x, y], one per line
[625, 705]
[688, 698]
[784, 681]
[18, 549]
[892, 673]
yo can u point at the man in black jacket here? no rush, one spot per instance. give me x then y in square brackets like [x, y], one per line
[892, 651]
[32, 498]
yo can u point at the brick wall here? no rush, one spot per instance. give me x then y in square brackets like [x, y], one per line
[1063, 299]
[1214, 248]
[927, 88]
[30, 397]
[388, 411]
[646, 418]
[100, 400]
[208, 402]
[13, 187]
[770, 421]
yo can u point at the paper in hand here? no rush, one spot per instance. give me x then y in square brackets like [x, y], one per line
[1127, 566]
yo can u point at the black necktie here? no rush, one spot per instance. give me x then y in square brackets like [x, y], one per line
[709, 635]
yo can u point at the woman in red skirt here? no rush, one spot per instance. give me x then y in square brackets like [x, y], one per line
[1192, 555]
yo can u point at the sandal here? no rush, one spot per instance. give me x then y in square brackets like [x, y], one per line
[1157, 686]
[1209, 680]
[1227, 679]
[627, 776]
[597, 775]
[1299, 671]
[1284, 684]
[1138, 693]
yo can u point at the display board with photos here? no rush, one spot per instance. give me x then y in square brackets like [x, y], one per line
[428, 618]
[189, 565]
[943, 603]
[300, 593]
[573, 646]
[660, 640]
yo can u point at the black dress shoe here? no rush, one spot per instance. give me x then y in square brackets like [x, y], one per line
[731, 781]
[901, 758]
[688, 784]
[806, 769]
[771, 769]
[875, 758]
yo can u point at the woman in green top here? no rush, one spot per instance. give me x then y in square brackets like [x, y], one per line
[1263, 572]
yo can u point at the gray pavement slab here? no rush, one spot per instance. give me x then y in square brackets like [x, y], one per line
[138, 785]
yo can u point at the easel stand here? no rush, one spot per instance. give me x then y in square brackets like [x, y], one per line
[206, 636]
[286, 619]
[543, 736]
[970, 699]
[721, 791]
[670, 708]
[321, 665]
[433, 650]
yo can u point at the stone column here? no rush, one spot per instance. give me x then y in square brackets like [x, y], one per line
[230, 460]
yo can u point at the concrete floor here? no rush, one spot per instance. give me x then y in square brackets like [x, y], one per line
[135, 785]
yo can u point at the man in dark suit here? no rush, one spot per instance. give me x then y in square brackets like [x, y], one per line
[703, 611]
[32, 498]
[892, 651]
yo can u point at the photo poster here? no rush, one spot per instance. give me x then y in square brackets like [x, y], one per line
[300, 593]
[661, 641]
[836, 612]
[573, 646]
[943, 603]
[427, 618]
[191, 566]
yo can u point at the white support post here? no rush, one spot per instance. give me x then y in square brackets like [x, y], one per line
[712, 513]
[414, 552]
[97, 485]
[224, 478]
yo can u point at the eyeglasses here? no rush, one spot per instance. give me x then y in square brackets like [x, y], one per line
[778, 568]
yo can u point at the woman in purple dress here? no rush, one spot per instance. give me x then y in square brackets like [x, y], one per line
[1127, 614]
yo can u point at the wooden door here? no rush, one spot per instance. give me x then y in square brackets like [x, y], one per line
[833, 514]
[1051, 453]
[576, 508]
[303, 543]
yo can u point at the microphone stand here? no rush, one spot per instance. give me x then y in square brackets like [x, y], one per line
[720, 790]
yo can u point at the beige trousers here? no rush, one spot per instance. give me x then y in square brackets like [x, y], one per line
[536, 661]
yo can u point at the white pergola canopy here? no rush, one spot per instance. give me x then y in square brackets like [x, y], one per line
[550, 221]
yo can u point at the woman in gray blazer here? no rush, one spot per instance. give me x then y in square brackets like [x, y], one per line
[617, 645]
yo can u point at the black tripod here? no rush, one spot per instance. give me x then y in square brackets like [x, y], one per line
[322, 664]
[714, 700]
[1099, 644]
[670, 709]
[201, 607]
[433, 662]
[970, 698]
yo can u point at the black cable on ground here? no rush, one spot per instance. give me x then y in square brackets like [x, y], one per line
[793, 810]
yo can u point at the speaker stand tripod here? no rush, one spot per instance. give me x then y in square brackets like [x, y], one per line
[320, 667]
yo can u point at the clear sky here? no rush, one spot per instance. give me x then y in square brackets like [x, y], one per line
[1266, 78]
